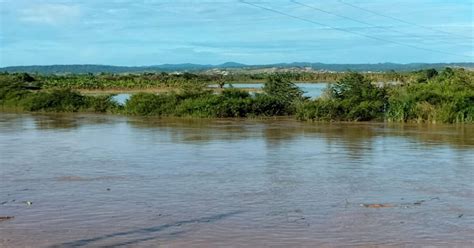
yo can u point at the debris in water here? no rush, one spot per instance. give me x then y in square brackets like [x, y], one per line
[5, 218]
[460, 216]
[377, 205]
[108, 189]
[418, 202]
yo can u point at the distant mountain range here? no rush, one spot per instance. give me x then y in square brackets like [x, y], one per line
[65, 69]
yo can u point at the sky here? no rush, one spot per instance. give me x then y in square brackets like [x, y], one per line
[152, 32]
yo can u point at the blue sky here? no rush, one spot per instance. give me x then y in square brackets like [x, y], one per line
[150, 32]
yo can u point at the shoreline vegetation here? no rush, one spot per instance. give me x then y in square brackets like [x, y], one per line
[445, 96]
[95, 92]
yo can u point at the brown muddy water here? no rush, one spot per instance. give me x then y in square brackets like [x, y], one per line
[108, 181]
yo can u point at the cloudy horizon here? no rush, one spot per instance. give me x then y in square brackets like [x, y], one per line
[147, 32]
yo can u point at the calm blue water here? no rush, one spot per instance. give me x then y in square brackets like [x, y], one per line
[121, 98]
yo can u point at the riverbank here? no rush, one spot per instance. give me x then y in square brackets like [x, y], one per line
[445, 97]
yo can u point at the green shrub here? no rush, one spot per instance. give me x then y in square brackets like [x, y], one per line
[235, 93]
[265, 105]
[282, 88]
[204, 106]
[57, 100]
[353, 98]
[401, 104]
[101, 104]
[447, 97]
[151, 104]
[367, 111]
[12, 95]
[320, 110]
[12, 91]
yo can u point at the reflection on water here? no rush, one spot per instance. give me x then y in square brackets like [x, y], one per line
[98, 180]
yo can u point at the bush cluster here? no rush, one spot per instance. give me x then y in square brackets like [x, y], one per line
[446, 97]
[18, 92]
[230, 103]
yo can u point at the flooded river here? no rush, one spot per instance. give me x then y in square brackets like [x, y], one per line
[111, 181]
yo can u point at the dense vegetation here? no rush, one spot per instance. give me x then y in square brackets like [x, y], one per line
[107, 81]
[428, 95]
[279, 99]
[352, 98]
[189, 100]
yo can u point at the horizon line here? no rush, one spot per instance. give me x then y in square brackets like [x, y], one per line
[238, 63]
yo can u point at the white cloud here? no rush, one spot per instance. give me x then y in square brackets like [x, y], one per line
[51, 14]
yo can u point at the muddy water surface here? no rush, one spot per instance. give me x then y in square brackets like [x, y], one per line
[98, 181]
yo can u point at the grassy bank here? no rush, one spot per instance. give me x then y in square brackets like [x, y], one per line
[429, 96]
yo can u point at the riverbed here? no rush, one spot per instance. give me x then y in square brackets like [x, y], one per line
[80, 180]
